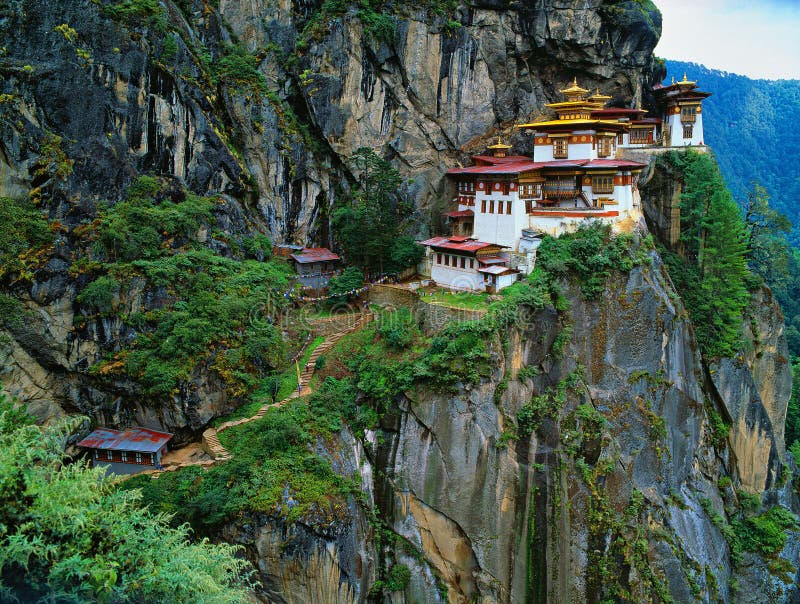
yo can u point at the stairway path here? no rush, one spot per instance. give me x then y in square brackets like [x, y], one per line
[210, 439]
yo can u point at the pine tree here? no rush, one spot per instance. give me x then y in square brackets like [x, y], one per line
[68, 534]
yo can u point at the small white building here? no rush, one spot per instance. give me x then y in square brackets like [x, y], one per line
[466, 264]
[682, 106]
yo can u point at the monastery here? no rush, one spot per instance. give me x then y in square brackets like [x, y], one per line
[578, 172]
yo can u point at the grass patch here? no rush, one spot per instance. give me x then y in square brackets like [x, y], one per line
[465, 300]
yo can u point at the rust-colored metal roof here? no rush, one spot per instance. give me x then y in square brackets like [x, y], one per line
[460, 214]
[131, 439]
[492, 260]
[314, 254]
[459, 244]
[497, 270]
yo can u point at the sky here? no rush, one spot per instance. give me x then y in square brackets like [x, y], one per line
[756, 38]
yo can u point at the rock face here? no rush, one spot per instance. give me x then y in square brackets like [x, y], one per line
[90, 99]
[615, 486]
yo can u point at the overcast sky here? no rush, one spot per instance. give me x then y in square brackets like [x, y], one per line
[756, 38]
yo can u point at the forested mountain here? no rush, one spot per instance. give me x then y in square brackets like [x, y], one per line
[750, 125]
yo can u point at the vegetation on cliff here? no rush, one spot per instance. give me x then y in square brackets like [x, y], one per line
[710, 267]
[68, 534]
[208, 307]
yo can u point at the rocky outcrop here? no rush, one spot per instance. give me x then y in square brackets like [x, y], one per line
[500, 519]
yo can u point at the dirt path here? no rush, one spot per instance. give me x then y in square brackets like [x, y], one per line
[210, 451]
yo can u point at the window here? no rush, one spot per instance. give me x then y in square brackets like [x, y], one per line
[531, 190]
[491, 206]
[438, 258]
[603, 184]
[604, 146]
[463, 262]
[138, 458]
[688, 114]
[108, 455]
[447, 259]
[471, 263]
[641, 136]
[687, 130]
[483, 206]
[560, 147]
[124, 456]
[508, 207]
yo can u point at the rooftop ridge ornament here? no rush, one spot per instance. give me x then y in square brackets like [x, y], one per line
[499, 149]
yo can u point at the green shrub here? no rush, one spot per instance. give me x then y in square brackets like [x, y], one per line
[138, 226]
[134, 12]
[99, 295]
[590, 253]
[398, 329]
[766, 533]
[23, 232]
[398, 578]
[238, 70]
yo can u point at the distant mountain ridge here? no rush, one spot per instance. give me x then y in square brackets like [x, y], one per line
[750, 125]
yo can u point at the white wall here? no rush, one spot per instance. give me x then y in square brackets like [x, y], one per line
[506, 280]
[676, 131]
[503, 229]
[457, 278]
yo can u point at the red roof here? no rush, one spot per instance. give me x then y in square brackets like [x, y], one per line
[492, 260]
[647, 120]
[515, 167]
[460, 214]
[491, 159]
[459, 244]
[613, 163]
[132, 439]
[314, 254]
[497, 270]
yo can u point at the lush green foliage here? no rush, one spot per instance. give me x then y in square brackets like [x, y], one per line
[343, 285]
[711, 271]
[23, 233]
[273, 470]
[238, 70]
[133, 12]
[145, 223]
[68, 535]
[369, 226]
[211, 308]
[591, 253]
[398, 329]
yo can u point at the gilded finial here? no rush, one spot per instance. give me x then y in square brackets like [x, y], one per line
[685, 79]
[673, 79]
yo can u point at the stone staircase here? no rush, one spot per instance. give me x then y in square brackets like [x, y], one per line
[211, 443]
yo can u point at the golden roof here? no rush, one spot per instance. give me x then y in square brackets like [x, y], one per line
[599, 97]
[574, 89]
[578, 122]
[686, 82]
[499, 145]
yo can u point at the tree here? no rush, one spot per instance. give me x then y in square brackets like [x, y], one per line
[711, 271]
[767, 248]
[67, 534]
[350, 280]
[370, 223]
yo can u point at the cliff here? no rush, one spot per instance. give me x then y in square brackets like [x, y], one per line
[258, 106]
[578, 450]
[585, 461]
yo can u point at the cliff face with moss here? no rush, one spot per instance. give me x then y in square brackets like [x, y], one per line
[591, 453]
[259, 107]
